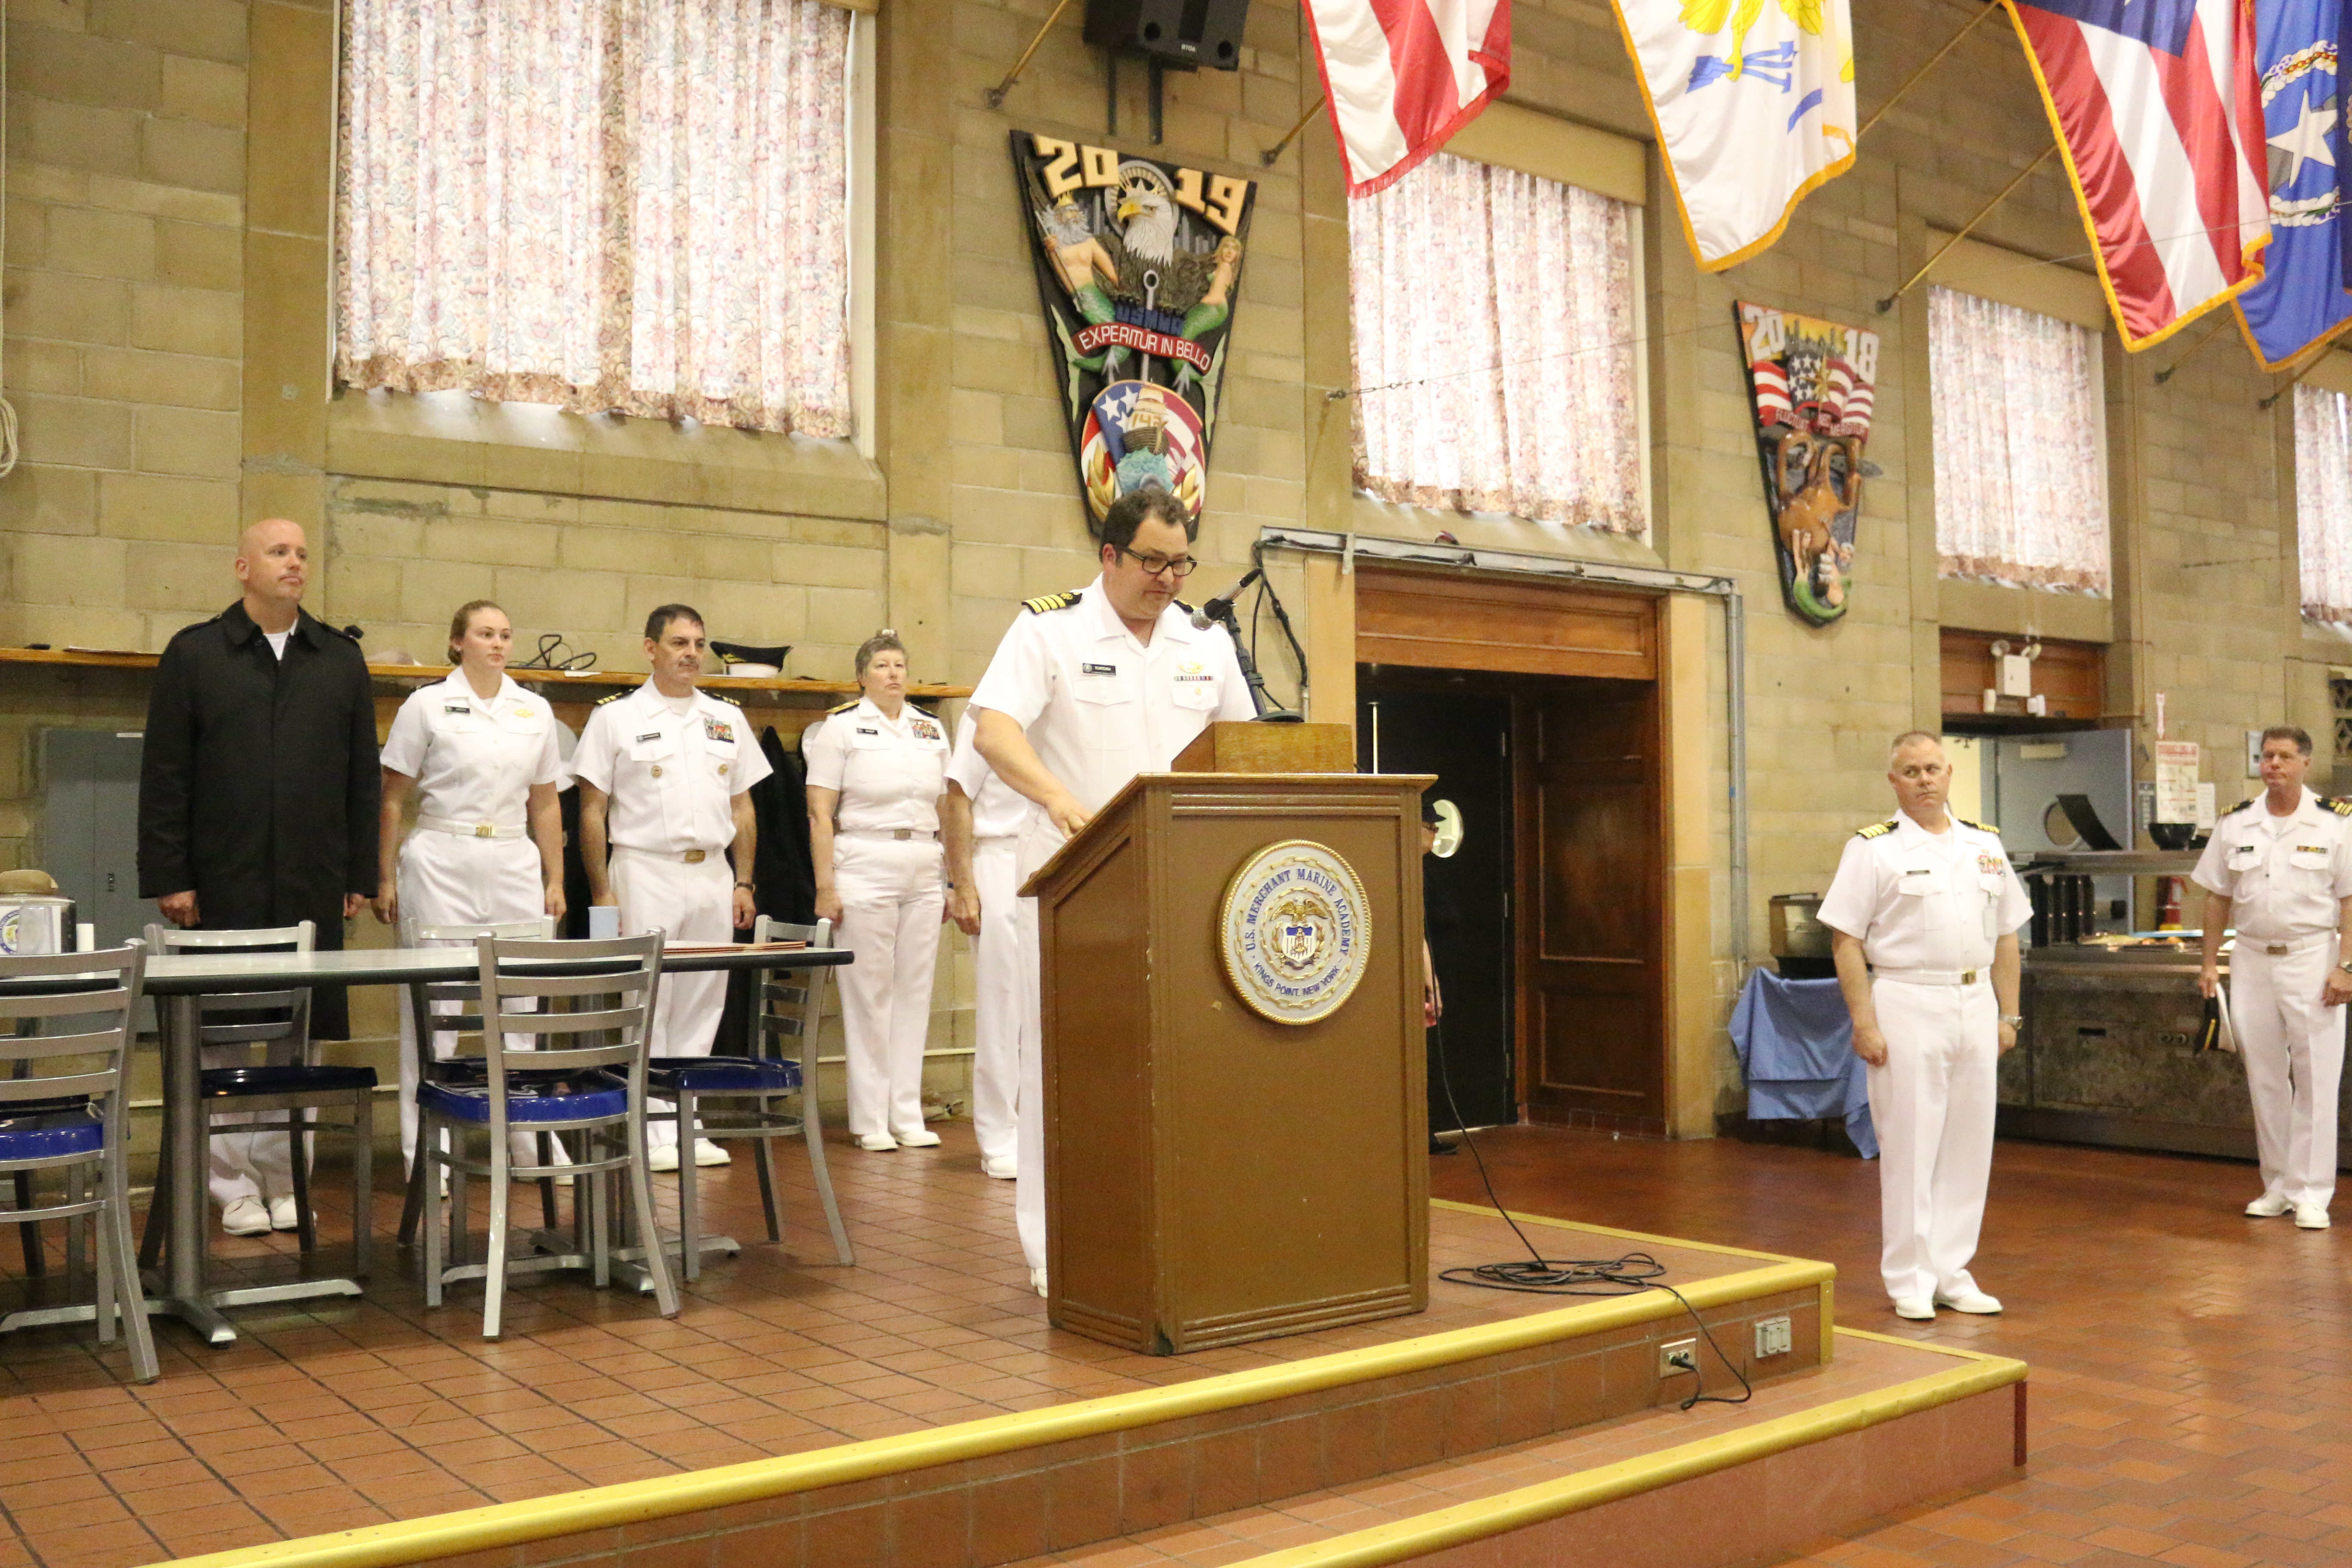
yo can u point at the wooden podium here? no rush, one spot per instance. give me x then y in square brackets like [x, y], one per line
[1214, 1175]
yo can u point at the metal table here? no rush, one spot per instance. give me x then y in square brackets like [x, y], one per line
[176, 980]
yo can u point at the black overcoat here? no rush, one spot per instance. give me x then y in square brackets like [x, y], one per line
[259, 783]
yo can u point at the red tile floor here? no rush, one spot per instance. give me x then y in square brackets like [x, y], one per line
[2189, 1395]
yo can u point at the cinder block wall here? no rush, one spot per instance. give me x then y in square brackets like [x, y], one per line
[165, 312]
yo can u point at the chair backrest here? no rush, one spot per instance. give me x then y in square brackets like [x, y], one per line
[792, 1001]
[467, 990]
[610, 987]
[70, 1026]
[256, 1017]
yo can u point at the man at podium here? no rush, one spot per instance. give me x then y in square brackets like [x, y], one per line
[1087, 689]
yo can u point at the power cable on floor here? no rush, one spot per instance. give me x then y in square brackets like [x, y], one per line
[1628, 1275]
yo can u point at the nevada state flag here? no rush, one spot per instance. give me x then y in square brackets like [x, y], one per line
[2299, 302]
[2158, 112]
[1754, 104]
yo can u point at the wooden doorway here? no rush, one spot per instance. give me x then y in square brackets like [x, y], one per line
[1584, 899]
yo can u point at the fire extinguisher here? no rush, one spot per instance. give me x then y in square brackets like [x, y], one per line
[2167, 911]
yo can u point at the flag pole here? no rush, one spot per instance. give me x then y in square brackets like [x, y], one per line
[1933, 61]
[996, 94]
[2221, 320]
[1982, 213]
[1271, 153]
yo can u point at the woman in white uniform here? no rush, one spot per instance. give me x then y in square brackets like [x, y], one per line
[483, 756]
[876, 771]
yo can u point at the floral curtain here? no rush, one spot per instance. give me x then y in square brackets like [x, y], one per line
[2323, 501]
[630, 205]
[1494, 318]
[2020, 457]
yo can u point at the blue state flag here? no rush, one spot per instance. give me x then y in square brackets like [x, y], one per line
[2301, 301]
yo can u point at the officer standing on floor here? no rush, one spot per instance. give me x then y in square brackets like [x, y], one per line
[664, 774]
[1086, 691]
[985, 816]
[2279, 867]
[1931, 904]
[877, 769]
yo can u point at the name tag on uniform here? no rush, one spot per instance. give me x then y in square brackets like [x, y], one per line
[1098, 670]
[455, 707]
[863, 731]
[652, 736]
[718, 730]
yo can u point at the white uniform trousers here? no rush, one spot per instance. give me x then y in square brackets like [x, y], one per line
[1000, 1022]
[891, 898]
[257, 1166]
[1933, 1105]
[449, 881]
[2294, 1051]
[687, 904]
[1034, 849]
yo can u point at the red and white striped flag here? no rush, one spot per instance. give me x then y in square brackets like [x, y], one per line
[1402, 76]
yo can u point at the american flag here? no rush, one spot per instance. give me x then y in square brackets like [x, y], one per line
[2159, 115]
[1402, 76]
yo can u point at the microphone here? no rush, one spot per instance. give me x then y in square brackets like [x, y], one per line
[1218, 608]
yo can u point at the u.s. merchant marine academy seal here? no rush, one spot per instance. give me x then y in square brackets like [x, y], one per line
[1296, 932]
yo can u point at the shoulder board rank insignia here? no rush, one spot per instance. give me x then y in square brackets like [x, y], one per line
[1979, 827]
[844, 707]
[2242, 806]
[1183, 606]
[2340, 807]
[1876, 829]
[1044, 602]
[614, 697]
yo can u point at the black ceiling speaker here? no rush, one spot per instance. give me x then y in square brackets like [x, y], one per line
[1174, 32]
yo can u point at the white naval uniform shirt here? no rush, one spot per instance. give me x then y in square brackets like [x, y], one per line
[998, 810]
[475, 759]
[672, 777]
[2284, 875]
[1100, 707]
[889, 772]
[1923, 901]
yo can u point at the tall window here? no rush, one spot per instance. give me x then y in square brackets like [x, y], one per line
[1494, 318]
[630, 205]
[2323, 502]
[2021, 446]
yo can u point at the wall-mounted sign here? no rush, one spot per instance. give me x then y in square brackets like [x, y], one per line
[1811, 385]
[1139, 266]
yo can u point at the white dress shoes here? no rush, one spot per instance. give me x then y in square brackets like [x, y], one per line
[247, 1216]
[921, 1138]
[2270, 1206]
[1003, 1170]
[1037, 1280]
[662, 1157]
[2310, 1217]
[1919, 1308]
[1969, 1301]
[284, 1216]
[706, 1152]
[876, 1142]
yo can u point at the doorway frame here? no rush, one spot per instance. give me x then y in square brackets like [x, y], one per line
[1694, 763]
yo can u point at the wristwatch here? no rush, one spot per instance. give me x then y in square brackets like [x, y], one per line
[2014, 1020]
[752, 887]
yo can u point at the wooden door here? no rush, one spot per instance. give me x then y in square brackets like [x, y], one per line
[1591, 885]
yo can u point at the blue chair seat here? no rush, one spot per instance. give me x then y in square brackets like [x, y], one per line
[581, 1099]
[722, 1075]
[228, 1083]
[45, 1135]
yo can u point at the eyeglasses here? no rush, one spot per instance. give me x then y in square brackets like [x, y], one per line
[1154, 565]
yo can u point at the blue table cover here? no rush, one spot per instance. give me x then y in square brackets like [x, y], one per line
[1796, 1047]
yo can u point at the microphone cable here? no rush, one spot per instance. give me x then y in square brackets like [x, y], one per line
[1628, 1275]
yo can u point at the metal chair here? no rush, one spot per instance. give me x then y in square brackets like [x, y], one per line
[586, 1077]
[61, 1107]
[454, 1007]
[789, 1005]
[277, 1093]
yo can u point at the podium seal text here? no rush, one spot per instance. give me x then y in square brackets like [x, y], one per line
[1296, 932]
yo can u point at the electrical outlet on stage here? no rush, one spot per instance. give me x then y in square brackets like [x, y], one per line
[1771, 1337]
[1678, 1358]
